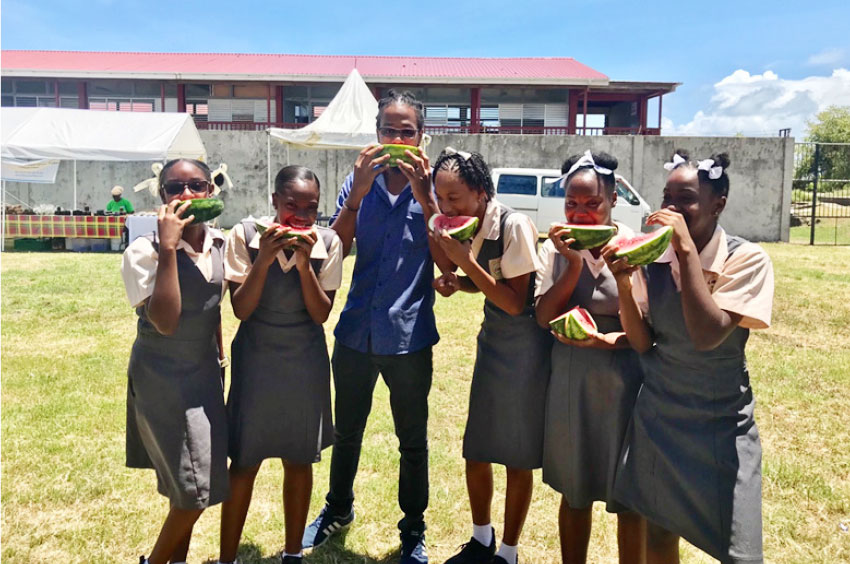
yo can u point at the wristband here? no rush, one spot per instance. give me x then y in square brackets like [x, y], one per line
[347, 206]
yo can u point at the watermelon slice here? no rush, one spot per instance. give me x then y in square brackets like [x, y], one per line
[645, 248]
[460, 227]
[288, 231]
[204, 209]
[588, 236]
[577, 324]
[398, 152]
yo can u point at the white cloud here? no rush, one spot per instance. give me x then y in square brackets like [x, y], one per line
[827, 57]
[762, 104]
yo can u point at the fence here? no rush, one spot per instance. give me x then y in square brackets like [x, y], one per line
[820, 196]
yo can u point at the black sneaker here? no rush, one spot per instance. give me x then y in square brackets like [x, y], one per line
[474, 552]
[413, 548]
[500, 560]
[323, 527]
[290, 559]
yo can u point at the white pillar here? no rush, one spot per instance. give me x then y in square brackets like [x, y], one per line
[75, 186]
[269, 172]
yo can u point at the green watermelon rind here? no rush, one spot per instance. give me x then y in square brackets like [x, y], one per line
[461, 233]
[588, 236]
[398, 152]
[204, 209]
[570, 327]
[650, 250]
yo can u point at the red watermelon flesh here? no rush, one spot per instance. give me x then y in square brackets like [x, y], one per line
[645, 248]
[461, 227]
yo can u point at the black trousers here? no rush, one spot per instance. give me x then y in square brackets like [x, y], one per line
[408, 377]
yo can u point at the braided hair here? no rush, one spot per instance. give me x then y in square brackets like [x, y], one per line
[405, 98]
[472, 170]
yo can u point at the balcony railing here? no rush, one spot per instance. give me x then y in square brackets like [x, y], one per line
[448, 129]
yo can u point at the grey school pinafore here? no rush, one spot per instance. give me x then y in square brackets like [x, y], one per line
[176, 421]
[590, 400]
[508, 395]
[279, 404]
[691, 461]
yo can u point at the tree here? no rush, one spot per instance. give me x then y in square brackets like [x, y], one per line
[830, 126]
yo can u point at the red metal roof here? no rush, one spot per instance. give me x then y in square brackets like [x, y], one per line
[235, 66]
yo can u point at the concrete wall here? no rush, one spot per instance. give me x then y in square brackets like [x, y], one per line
[760, 174]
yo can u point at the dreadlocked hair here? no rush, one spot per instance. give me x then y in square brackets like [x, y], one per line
[473, 171]
[405, 98]
[602, 159]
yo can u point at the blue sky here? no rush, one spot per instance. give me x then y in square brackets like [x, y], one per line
[788, 51]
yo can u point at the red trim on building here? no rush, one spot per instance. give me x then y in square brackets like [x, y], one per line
[110, 63]
[181, 98]
[475, 110]
[82, 95]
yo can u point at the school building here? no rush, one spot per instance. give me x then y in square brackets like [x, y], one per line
[225, 91]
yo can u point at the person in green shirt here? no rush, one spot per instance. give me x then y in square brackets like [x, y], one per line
[119, 204]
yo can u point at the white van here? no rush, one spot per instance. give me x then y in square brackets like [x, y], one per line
[539, 194]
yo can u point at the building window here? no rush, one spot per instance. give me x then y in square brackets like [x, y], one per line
[198, 109]
[121, 105]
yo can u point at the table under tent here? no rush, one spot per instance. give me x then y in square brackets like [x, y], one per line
[35, 140]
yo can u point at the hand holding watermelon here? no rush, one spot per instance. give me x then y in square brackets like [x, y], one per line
[459, 252]
[417, 169]
[170, 223]
[560, 237]
[366, 168]
[272, 240]
[681, 240]
[303, 246]
[593, 340]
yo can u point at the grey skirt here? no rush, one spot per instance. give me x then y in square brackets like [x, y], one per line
[280, 397]
[590, 400]
[176, 421]
[508, 396]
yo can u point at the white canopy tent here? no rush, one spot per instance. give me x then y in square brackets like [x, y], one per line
[347, 123]
[39, 134]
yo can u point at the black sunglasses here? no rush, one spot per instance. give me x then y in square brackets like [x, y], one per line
[392, 133]
[176, 187]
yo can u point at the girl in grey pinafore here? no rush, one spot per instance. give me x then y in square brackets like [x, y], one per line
[509, 380]
[508, 392]
[589, 403]
[692, 457]
[176, 421]
[691, 462]
[594, 383]
[280, 398]
[279, 404]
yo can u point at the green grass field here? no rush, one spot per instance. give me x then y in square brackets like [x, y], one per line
[66, 496]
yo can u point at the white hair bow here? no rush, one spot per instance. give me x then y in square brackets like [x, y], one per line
[152, 184]
[714, 172]
[462, 154]
[676, 163]
[587, 161]
[222, 172]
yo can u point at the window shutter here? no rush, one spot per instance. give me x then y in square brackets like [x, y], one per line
[556, 115]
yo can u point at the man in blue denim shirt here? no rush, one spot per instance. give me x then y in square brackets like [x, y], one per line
[387, 325]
